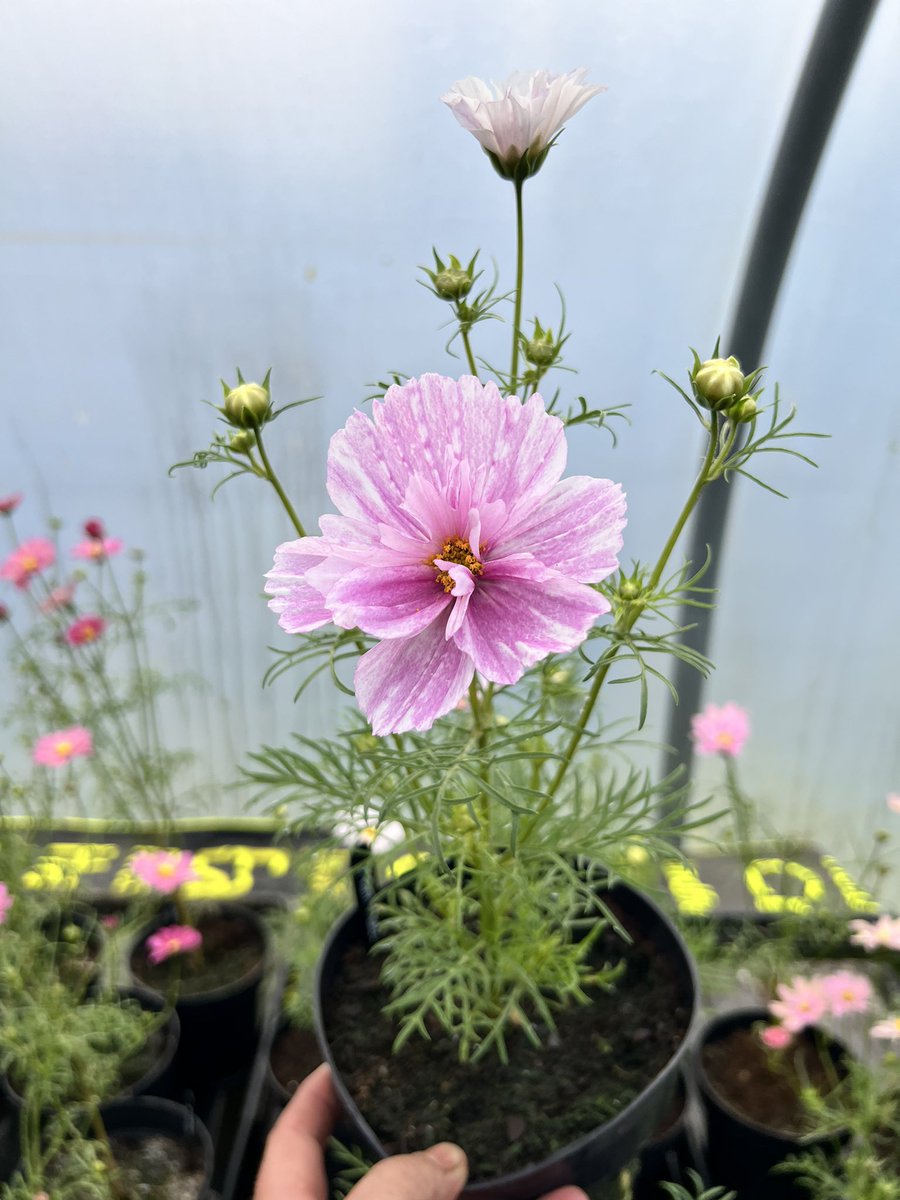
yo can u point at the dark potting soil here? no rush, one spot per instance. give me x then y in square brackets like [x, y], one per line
[508, 1116]
[158, 1167]
[295, 1054]
[740, 1071]
[232, 947]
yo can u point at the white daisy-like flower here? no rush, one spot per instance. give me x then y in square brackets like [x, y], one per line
[516, 122]
[364, 829]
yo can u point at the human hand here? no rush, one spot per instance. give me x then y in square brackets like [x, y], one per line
[293, 1165]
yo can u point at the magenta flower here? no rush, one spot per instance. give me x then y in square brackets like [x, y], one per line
[883, 934]
[458, 546]
[170, 940]
[58, 748]
[84, 630]
[776, 1037]
[98, 549]
[519, 118]
[720, 730]
[888, 1028]
[6, 902]
[846, 992]
[9, 504]
[800, 1004]
[61, 597]
[164, 870]
[93, 528]
[28, 558]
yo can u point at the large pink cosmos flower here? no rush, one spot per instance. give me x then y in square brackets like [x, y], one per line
[85, 630]
[846, 992]
[98, 549]
[720, 730]
[801, 1004]
[172, 939]
[28, 558]
[458, 545]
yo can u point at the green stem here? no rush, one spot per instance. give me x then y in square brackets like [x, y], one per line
[741, 810]
[520, 267]
[487, 914]
[276, 483]
[623, 626]
[470, 357]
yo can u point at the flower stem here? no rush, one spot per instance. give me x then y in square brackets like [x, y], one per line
[520, 267]
[624, 625]
[741, 810]
[276, 483]
[470, 357]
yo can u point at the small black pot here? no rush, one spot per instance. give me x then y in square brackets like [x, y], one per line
[597, 1155]
[150, 1115]
[740, 1152]
[158, 1078]
[218, 1026]
[276, 1090]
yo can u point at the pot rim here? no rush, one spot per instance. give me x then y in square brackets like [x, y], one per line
[488, 1187]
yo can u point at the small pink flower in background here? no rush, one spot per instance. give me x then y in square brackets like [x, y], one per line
[776, 1037]
[164, 870]
[893, 801]
[27, 560]
[888, 1028]
[98, 549]
[459, 546]
[720, 730]
[883, 934]
[85, 630]
[170, 940]
[9, 504]
[58, 748]
[519, 118]
[6, 902]
[61, 597]
[846, 992]
[94, 529]
[799, 1004]
[110, 921]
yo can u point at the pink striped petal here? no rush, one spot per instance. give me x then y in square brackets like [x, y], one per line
[520, 612]
[397, 602]
[408, 683]
[576, 530]
[299, 605]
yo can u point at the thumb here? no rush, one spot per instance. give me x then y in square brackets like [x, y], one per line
[438, 1173]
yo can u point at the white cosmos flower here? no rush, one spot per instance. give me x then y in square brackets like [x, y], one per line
[352, 829]
[517, 120]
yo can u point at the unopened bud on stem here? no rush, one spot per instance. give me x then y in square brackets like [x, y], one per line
[717, 381]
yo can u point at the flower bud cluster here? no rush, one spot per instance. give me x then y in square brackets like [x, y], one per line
[720, 385]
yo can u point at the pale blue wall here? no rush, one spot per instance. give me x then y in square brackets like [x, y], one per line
[187, 186]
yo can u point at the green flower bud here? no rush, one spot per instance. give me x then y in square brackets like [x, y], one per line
[241, 443]
[541, 349]
[247, 405]
[629, 589]
[718, 379]
[451, 281]
[743, 411]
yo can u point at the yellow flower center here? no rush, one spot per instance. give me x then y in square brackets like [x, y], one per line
[63, 748]
[456, 550]
[725, 740]
[29, 563]
[88, 633]
[166, 869]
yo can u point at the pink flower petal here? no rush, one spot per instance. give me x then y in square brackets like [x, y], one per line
[398, 602]
[408, 683]
[577, 529]
[465, 440]
[520, 613]
[299, 605]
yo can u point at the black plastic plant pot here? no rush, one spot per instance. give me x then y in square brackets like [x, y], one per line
[219, 1028]
[129, 1122]
[741, 1153]
[154, 1074]
[596, 1156]
[295, 1051]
